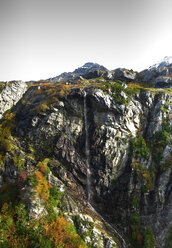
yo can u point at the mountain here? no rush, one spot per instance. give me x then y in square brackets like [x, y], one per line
[93, 70]
[86, 163]
[160, 74]
[88, 70]
[166, 61]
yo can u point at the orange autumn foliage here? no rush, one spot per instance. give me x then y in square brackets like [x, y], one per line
[60, 234]
[39, 177]
[42, 187]
[43, 167]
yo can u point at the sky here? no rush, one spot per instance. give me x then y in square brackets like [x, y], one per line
[40, 39]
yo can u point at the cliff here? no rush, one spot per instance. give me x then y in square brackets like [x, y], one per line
[107, 147]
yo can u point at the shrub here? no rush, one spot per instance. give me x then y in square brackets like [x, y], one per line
[6, 128]
[116, 90]
[54, 196]
[43, 167]
[1, 86]
[62, 234]
[160, 140]
[136, 231]
[42, 108]
[149, 241]
[139, 148]
[139, 151]
[18, 161]
[42, 187]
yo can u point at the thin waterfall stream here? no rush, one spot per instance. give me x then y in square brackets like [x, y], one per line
[87, 152]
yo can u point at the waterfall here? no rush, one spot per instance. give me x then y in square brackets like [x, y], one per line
[87, 152]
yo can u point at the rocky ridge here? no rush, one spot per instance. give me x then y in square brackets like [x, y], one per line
[158, 75]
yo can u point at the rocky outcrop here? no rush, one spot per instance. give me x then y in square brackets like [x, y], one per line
[12, 92]
[125, 75]
[149, 75]
[162, 82]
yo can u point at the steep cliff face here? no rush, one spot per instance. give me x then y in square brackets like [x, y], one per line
[129, 143]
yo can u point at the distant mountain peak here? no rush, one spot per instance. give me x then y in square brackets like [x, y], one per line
[89, 64]
[88, 70]
[167, 60]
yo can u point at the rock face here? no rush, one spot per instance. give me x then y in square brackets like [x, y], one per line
[130, 152]
[11, 94]
[124, 75]
[119, 179]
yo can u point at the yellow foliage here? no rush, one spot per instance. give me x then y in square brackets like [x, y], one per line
[42, 186]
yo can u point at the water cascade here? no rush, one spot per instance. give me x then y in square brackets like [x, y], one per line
[87, 152]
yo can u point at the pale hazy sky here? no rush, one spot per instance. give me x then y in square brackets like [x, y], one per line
[43, 38]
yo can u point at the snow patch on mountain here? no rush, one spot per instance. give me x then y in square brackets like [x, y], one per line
[164, 62]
